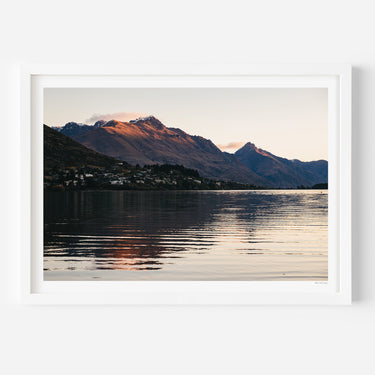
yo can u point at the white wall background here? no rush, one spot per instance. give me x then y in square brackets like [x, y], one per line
[189, 340]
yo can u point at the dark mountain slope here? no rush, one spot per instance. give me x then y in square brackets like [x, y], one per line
[61, 152]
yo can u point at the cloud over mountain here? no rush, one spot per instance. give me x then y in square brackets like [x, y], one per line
[120, 116]
[231, 146]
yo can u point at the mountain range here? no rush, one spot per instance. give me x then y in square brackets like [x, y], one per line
[147, 141]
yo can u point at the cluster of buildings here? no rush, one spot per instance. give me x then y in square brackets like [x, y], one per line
[120, 177]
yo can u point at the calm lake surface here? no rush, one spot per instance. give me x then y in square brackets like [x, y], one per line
[186, 235]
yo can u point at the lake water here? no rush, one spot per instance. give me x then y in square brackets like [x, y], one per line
[186, 235]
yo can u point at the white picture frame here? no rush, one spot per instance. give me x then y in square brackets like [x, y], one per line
[337, 291]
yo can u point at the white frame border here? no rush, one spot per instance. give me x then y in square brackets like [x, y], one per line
[337, 291]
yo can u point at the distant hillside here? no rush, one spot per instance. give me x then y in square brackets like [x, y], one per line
[61, 151]
[281, 172]
[147, 141]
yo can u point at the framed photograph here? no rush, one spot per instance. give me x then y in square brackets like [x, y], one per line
[186, 184]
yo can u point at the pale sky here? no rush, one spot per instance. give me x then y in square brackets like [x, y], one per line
[290, 122]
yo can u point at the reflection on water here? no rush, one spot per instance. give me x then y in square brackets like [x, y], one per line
[186, 235]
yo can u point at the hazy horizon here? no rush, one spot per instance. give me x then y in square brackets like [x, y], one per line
[288, 122]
